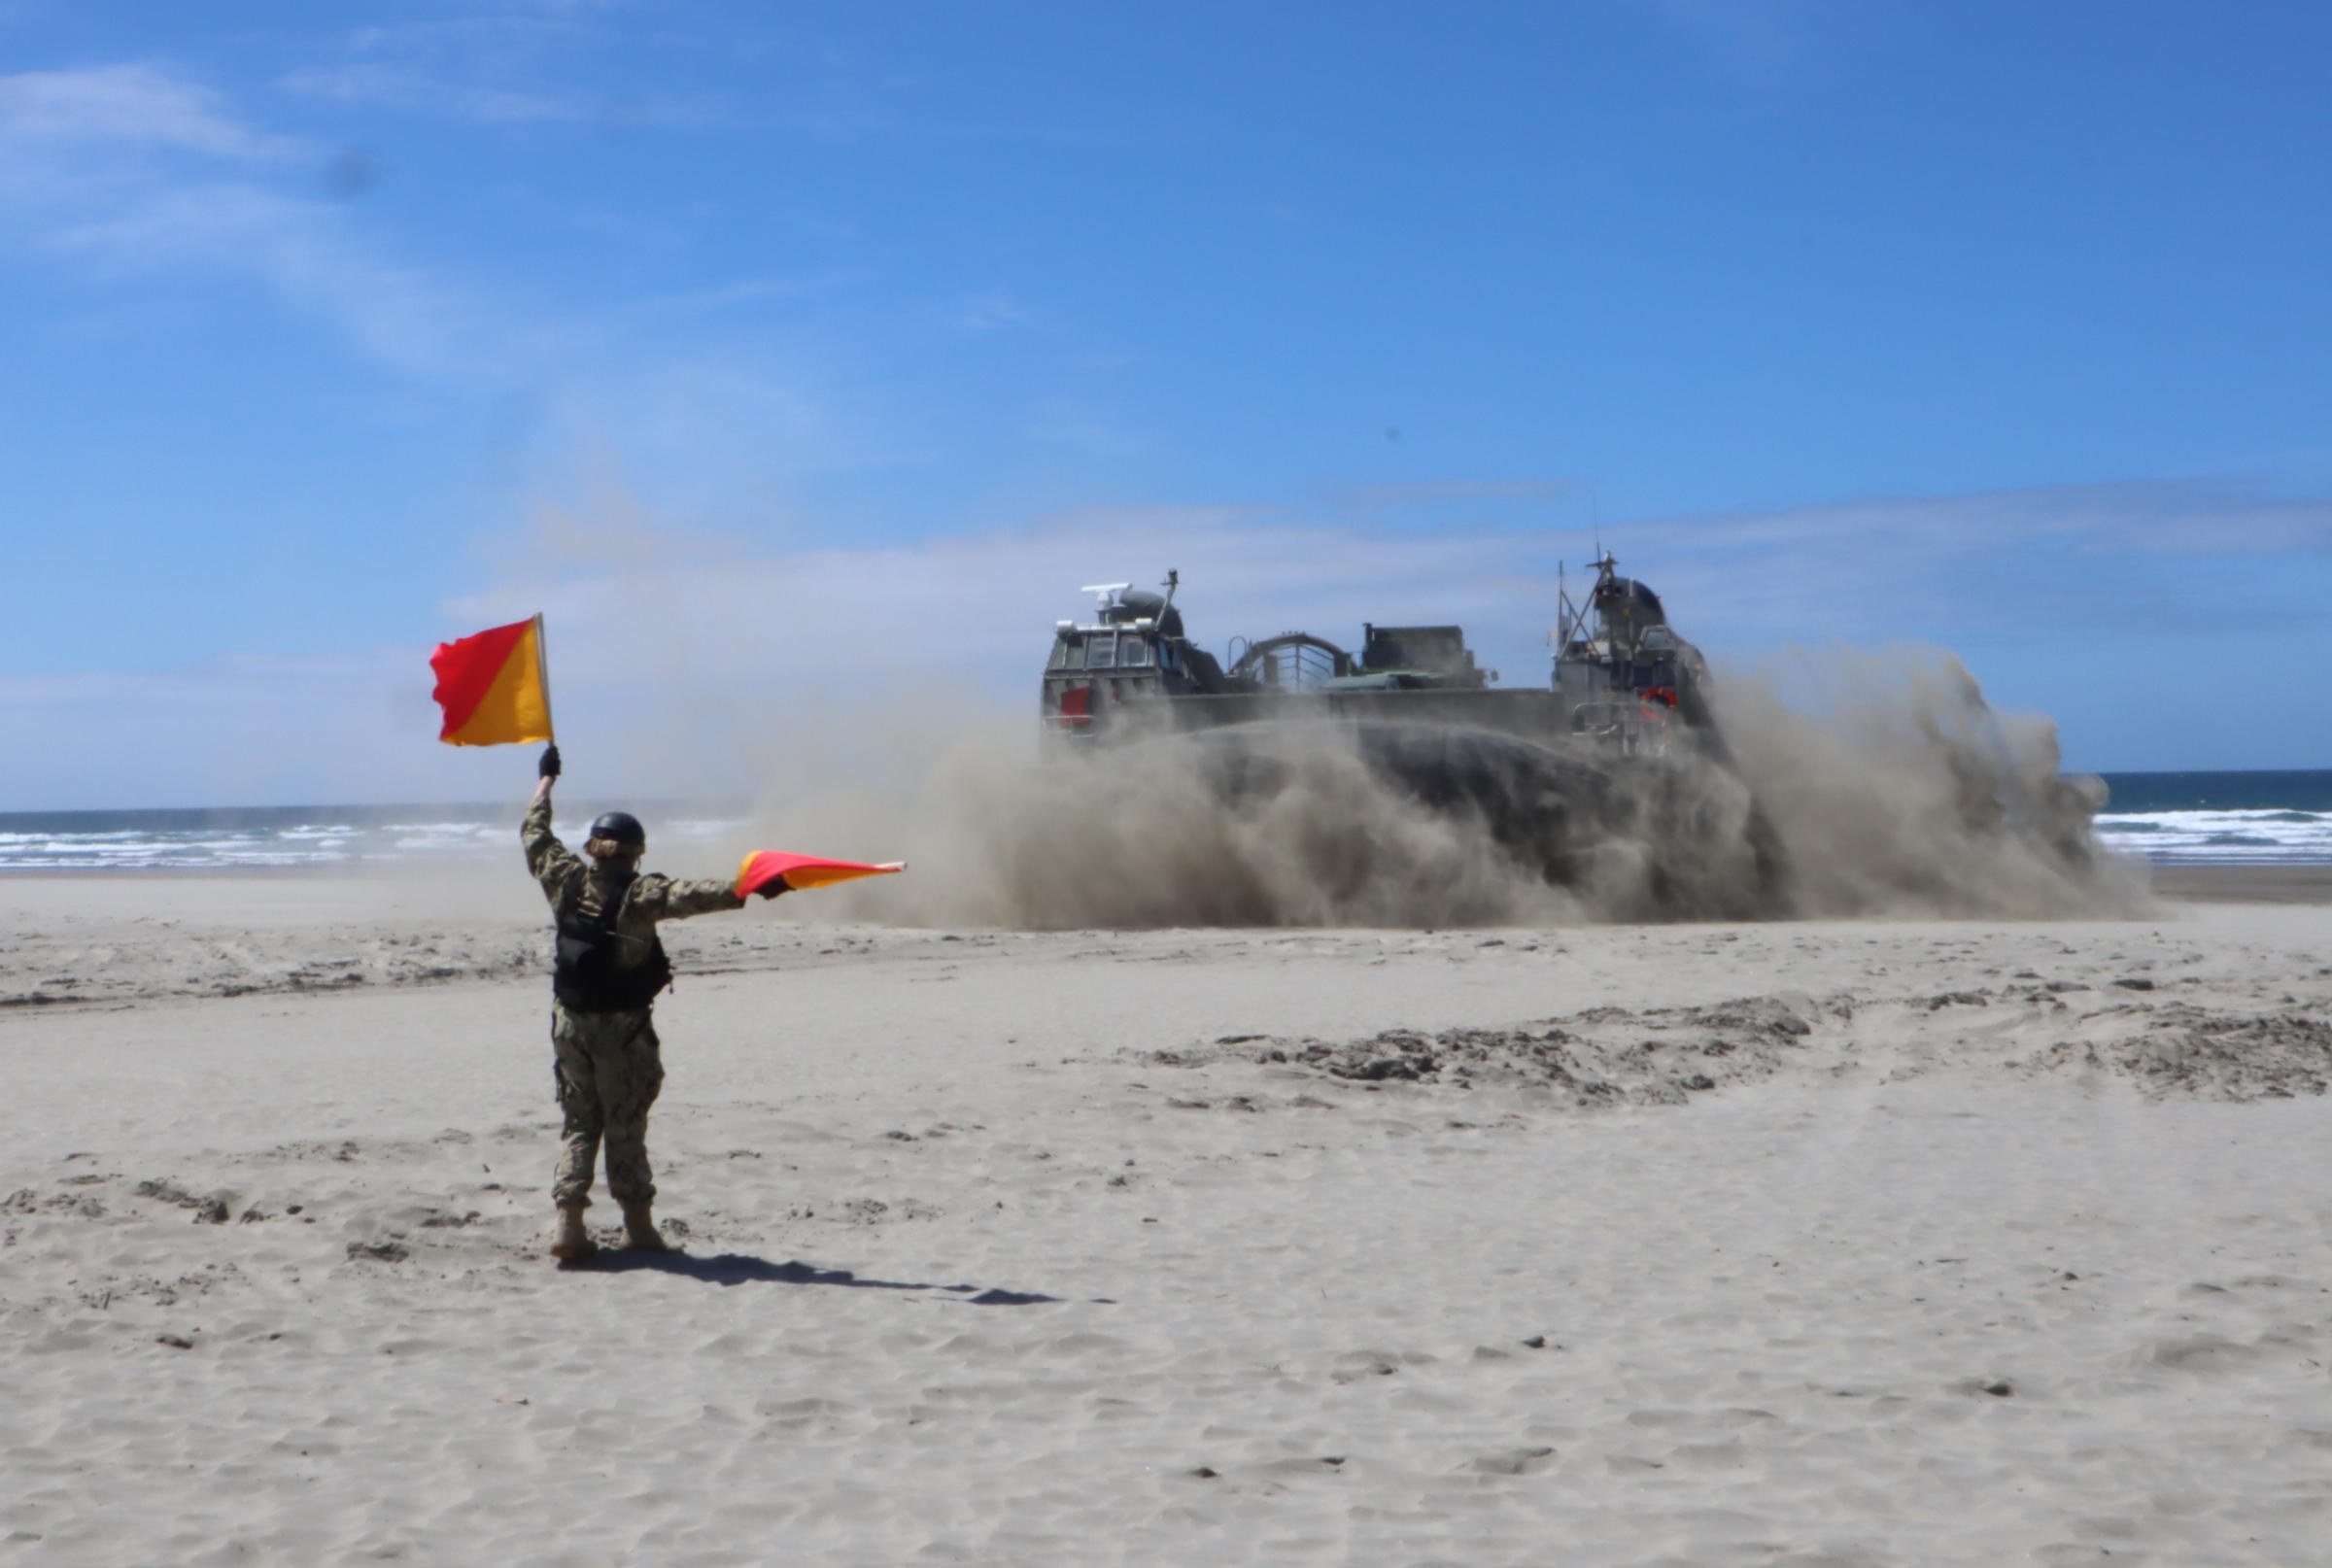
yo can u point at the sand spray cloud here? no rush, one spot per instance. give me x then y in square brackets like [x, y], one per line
[1886, 787]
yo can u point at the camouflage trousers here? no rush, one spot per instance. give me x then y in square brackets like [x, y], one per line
[609, 1069]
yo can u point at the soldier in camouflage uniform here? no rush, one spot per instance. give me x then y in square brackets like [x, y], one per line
[602, 1032]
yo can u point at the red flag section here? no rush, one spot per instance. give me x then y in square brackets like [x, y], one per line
[802, 872]
[491, 687]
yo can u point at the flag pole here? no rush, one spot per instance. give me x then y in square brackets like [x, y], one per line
[542, 672]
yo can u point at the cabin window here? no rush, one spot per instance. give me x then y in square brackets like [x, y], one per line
[1101, 651]
[1133, 654]
[1063, 654]
[1166, 656]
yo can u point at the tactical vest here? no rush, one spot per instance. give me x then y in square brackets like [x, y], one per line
[586, 976]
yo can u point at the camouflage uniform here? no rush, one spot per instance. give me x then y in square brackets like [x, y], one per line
[607, 1064]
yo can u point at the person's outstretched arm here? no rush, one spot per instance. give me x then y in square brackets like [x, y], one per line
[665, 898]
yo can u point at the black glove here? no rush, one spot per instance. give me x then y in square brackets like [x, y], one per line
[549, 765]
[773, 887]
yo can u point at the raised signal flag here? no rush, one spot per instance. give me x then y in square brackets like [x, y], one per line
[494, 687]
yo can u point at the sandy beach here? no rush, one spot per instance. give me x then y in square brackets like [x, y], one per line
[1822, 1242]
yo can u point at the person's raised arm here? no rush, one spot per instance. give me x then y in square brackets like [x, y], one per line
[546, 857]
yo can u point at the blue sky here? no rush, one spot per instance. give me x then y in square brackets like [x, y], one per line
[751, 341]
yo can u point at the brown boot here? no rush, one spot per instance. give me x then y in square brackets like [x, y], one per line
[572, 1243]
[639, 1230]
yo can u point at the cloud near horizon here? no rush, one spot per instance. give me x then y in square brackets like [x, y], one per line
[660, 636]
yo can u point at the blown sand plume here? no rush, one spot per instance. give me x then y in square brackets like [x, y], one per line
[1890, 787]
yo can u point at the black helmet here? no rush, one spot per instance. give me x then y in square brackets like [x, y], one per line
[621, 827]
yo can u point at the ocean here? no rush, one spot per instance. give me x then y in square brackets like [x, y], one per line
[292, 838]
[2247, 819]
[2228, 818]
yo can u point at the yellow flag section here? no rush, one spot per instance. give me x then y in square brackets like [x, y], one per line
[492, 688]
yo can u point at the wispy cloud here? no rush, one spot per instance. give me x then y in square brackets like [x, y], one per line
[990, 313]
[321, 264]
[1769, 42]
[485, 101]
[1374, 499]
[138, 106]
[508, 66]
[133, 173]
[2044, 563]
[2218, 516]
[139, 170]
[388, 86]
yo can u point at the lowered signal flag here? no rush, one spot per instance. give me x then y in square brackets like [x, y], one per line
[803, 872]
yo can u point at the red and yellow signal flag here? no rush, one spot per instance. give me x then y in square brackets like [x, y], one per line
[800, 871]
[494, 687]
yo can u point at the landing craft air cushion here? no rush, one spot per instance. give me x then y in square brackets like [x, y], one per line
[1615, 771]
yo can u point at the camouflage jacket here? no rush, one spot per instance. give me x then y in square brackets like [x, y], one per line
[653, 897]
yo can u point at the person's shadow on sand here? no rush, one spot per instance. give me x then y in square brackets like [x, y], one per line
[739, 1268]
